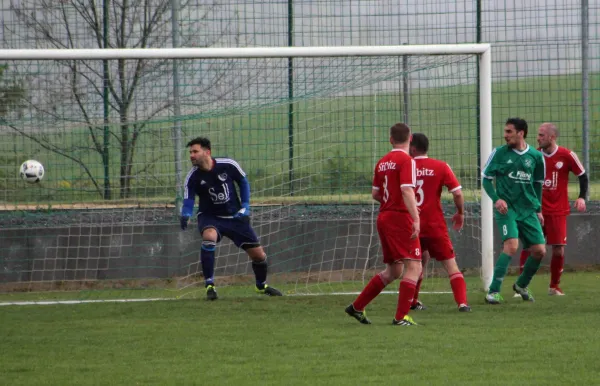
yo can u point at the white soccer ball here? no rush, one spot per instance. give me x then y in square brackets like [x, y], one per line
[31, 171]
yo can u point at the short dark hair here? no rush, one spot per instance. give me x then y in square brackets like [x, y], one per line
[202, 141]
[400, 132]
[420, 142]
[519, 123]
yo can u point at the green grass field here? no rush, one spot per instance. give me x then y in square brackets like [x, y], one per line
[308, 340]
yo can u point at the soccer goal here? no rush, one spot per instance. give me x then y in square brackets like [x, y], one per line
[307, 124]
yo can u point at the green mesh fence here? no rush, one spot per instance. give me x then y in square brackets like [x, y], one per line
[122, 146]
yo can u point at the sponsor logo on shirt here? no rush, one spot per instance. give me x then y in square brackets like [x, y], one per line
[219, 197]
[552, 183]
[520, 176]
[424, 172]
[387, 165]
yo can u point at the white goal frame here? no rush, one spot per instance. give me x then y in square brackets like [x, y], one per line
[485, 88]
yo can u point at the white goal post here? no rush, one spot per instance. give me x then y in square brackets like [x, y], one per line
[483, 51]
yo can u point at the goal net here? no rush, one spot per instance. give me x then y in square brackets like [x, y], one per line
[306, 124]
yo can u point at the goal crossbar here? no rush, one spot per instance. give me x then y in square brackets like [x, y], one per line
[245, 52]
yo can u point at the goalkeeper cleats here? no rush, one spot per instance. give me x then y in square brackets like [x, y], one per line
[526, 295]
[269, 291]
[493, 298]
[464, 308]
[361, 316]
[555, 291]
[406, 321]
[418, 306]
[211, 293]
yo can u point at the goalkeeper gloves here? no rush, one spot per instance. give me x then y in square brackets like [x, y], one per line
[244, 212]
[184, 220]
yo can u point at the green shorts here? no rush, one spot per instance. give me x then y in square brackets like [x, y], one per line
[525, 227]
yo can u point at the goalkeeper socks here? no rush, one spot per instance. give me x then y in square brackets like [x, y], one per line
[499, 272]
[523, 259]
[417, 290]
[373, 288]
[260, 273]
[531, 267]
[459, 288]
[405, 297]
[207, 259]
[556, 269]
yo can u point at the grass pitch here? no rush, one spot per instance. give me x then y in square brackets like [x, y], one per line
[308, 340]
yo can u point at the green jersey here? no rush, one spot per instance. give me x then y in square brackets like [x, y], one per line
[515, 172]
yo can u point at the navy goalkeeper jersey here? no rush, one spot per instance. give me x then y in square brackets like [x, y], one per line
[215, 188]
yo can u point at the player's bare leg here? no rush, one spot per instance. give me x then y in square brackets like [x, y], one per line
[457, 282]
[416, 303]
[509, 249]
[406, 293]
[259, 266]
[532, 265]
[207, 259]
[556, 270]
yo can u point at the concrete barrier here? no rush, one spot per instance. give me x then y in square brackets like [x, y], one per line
[130, 251]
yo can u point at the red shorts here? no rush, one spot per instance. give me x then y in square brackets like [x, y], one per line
[395, 229]
[440, 248]
[555, 229]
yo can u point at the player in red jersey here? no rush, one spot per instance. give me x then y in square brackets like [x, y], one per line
[555, 199]
[432, 176]
[398, 228]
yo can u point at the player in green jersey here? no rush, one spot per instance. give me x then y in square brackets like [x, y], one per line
[519, 171]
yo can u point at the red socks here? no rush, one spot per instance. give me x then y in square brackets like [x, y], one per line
[405, 298]
[417, 290]
[459, 288]
[556, 269]
[373, 288]
[522, 260]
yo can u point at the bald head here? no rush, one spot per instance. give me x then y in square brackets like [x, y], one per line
[547, 134]
[550, 128]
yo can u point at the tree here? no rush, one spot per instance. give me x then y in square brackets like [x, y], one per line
[133, 99]
[11, 94]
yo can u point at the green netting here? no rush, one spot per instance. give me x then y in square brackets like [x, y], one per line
[312, 199]
[336, 104]
[337, 118]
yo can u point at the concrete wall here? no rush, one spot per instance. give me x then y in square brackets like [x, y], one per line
[161, 251]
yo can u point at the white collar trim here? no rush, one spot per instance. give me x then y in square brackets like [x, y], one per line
[521, 152]
[551, 154]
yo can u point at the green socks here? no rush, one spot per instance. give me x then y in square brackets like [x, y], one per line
[500, 271]
[531, 267]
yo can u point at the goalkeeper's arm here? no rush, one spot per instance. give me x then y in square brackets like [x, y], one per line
[244, 197]
[187, 209]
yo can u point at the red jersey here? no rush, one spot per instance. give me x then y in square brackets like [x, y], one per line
[432, 176]
[395, 170]
[555, 196]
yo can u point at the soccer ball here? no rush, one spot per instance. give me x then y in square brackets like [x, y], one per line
[31, 171]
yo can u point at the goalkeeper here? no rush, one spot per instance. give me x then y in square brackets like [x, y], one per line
[221, 213]
[519, 171]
